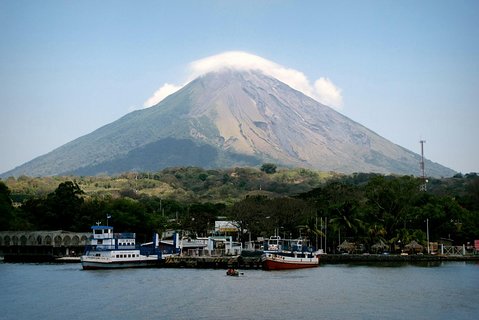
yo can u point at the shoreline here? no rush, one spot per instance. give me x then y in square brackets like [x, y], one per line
[378, 258]
[254, 261]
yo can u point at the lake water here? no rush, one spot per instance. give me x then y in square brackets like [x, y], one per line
[401, 291]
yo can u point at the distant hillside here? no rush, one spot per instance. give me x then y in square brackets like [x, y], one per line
[192, 184]
[186, 184]
[229, 119]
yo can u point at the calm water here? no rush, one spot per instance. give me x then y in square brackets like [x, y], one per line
[64, 291]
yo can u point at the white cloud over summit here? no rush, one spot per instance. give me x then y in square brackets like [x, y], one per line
[323, 89]
[160, 94]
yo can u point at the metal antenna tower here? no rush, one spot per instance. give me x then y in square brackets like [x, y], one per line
[423, 173]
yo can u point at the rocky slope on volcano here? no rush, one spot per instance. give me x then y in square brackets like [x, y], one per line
[230, 118]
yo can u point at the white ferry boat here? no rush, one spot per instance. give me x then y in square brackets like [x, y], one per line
[108, 250]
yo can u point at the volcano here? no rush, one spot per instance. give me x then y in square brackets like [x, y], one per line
[230, 118]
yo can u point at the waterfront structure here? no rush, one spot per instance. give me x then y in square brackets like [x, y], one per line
[42, 245]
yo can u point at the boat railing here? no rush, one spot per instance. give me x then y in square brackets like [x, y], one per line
[123, 235]
[292, 245]
[210, 253]
[105, 247]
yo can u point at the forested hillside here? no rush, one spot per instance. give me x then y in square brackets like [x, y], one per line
[364, 208]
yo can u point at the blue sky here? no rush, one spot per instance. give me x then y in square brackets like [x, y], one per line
[408, 70]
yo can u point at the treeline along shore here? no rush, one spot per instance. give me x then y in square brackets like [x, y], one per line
[379, 258]
[377, 213]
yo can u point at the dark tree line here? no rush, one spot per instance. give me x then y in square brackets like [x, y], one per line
[361, 208]
[391, 210]
[67, 208]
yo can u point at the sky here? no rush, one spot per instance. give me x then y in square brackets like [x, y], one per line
[408, 70]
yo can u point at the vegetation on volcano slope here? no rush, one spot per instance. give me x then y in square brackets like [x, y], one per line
[364, 208]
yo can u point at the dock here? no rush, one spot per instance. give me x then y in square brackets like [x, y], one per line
[220, 262]
[393, 258]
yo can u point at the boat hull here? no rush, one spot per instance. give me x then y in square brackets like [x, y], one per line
[88, 264]
[279, 262]
[105, 261]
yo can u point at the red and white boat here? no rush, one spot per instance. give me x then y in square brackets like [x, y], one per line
[287, 254]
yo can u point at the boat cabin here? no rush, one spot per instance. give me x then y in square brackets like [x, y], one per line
[103, 238]
[275, 243]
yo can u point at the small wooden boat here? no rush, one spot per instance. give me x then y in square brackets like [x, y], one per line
[234, 273]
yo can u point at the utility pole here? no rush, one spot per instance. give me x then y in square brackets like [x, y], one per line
[423, 172]
[427, 231]
[325, 234]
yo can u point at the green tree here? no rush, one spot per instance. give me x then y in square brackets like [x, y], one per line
[401, 238]
[268, 168]
[289, 215]
[311, 230]
[249, 216]
[6, 208]
[62, 207]
[92, 210]
[376, 233]
[343, 202]
[446, 219]
[158, 222]
[470, 200]
[201, 218]
[390, 201]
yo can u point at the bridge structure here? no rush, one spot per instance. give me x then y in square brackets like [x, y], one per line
[41, 245]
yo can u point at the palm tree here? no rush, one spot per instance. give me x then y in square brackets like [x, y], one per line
[401, 238]
[346, 219]
[375, 234]
[311, 229]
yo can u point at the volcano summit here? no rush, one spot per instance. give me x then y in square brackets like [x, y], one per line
[230, 118]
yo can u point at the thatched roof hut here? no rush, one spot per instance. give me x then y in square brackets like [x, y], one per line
[347, 246]
[413, 246]
[380, 246]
